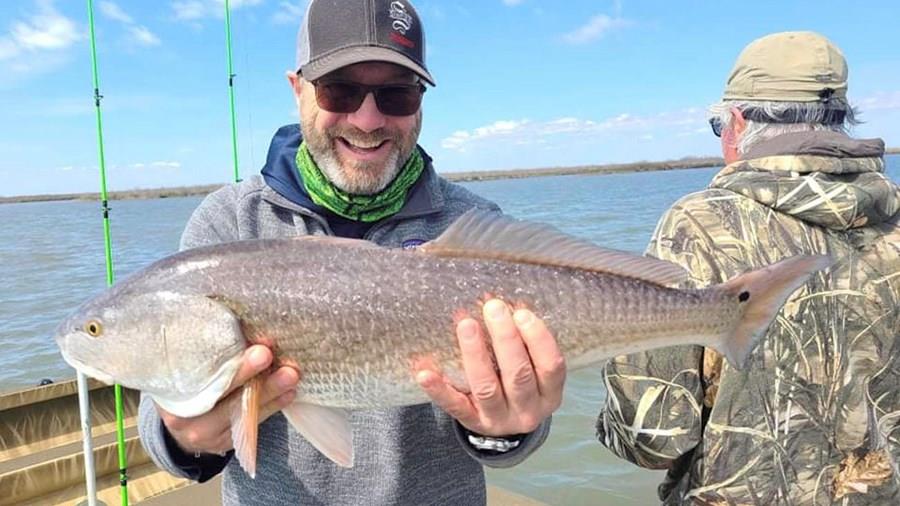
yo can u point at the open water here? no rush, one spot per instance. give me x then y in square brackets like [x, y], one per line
[52, 259]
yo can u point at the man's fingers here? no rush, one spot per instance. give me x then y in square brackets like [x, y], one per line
[455, 403]
[478, 363]
[549, 363]
[516, 372]
[278, 391]
[256, 359]
[276, 405]
[200, 433]
[278, 383]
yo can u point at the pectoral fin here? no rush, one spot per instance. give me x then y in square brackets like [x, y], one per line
[327, 429]
[245, 425]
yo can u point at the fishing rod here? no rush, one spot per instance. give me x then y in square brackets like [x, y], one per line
[231, 76]
[89, 470]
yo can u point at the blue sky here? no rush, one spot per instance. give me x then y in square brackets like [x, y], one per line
[521, 83]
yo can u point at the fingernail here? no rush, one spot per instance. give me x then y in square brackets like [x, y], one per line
[523, 317]
[429, 380]
[423, 378]
[285, 380]
[467, 329]
[496, 309]
[258, 357]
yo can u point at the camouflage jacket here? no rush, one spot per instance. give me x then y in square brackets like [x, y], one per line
[815, 416]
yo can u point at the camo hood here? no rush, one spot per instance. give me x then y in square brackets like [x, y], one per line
[826, 179]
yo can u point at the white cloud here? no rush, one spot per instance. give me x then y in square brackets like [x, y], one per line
[193, 10]
[166, 165]
[189, 10]
[36, 44]
[879, 101]
[595, 28]
[460, 139]
[138, 34]
[163, 164]
[290, 13]
[511, 3]
[143, 36]
[48, 30]
[113, 11]
[522, 132]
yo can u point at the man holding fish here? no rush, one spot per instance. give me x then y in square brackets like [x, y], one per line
[353, 169]
[814, 417]
[384, 314]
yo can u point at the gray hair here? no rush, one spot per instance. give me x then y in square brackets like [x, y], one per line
[779, 118]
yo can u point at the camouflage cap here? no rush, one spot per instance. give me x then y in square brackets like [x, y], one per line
[788, 67]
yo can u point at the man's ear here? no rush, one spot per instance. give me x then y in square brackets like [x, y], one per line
[738, 123]
[295, 81]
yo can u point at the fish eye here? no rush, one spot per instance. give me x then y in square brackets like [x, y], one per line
[93, 328]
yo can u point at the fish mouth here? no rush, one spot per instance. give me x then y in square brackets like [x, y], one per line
[86, 369]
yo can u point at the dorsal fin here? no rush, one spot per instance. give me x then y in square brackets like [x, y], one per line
[486, 234]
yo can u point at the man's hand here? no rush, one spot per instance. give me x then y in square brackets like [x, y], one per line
[211, 431]
[531, 377]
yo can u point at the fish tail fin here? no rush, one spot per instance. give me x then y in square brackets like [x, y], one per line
[762, 293]
[245, 425]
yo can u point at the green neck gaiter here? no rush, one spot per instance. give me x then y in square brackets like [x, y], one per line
[367, 208]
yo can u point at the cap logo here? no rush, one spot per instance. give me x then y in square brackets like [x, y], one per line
[402, 20]
[412, 243]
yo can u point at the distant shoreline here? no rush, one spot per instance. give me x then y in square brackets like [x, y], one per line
[487, 175]
[470, 176]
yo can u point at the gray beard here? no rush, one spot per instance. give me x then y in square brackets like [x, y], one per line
[365, 178]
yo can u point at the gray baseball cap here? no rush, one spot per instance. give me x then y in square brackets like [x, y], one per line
[337, 33]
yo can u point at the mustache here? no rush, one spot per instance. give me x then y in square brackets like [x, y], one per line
[354, 134]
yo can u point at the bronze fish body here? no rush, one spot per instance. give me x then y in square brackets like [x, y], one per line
[356, 318]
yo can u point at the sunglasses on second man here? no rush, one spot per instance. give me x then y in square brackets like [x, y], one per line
[344, 97]
[716, 125]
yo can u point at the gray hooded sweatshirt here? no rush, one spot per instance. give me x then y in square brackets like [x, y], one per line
[412, 455]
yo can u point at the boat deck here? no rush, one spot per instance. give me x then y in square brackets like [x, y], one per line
[42, 463]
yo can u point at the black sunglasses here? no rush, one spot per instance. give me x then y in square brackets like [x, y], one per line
[716, 125]
[344, 97]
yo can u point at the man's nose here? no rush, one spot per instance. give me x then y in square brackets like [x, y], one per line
[367, 118]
